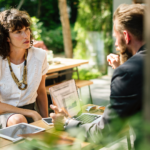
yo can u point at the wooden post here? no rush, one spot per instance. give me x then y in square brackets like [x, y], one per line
[66, 28]
[146, 98]
[147, 65]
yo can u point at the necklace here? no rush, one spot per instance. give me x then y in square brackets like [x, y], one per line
[22, 85]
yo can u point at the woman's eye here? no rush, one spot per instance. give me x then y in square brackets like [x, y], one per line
[18, 32]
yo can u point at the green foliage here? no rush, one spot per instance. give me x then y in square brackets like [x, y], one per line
[35, 144]
[36, 28]
[86, 74]
[49, 141]
[49, 12]
[80, 49]
[53, 39]
[93, 16]
[47, 25]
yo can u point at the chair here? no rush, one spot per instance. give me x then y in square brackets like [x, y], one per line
[79, 84]
[126, 132]
[82, 83]
[52, 76]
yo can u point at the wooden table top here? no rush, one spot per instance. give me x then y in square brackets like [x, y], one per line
[5, 144]
[65, 63]
[49, 130]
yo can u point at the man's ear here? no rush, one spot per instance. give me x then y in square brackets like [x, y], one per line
[127, 36]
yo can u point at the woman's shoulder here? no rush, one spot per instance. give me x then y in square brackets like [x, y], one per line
[1, 59]
[39, 53]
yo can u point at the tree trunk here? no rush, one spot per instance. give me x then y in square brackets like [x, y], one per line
[66, 28]
[39, 9]
[20, 4]
[146, 98]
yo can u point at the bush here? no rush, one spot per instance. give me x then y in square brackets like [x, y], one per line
[36, 28]
[86, 74]
[93, 16]
[53, 39]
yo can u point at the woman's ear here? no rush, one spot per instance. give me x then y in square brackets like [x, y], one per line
[8, 39]
[127, 36]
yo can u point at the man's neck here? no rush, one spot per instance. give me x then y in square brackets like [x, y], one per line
[136, 46]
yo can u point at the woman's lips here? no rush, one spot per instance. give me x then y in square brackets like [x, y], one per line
[26, 42]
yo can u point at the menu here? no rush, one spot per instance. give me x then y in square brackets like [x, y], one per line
[65, 96]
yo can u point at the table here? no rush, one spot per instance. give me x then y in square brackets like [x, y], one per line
[66, 63]
[5, 144]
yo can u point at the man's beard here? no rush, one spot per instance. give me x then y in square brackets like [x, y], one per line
[124, 52]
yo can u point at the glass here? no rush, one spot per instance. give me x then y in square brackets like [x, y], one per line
[50, 56]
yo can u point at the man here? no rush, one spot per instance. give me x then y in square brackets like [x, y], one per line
[127, 80]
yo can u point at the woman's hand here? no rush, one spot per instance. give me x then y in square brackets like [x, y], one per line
[113, 60]
[58, 118]
[6, 108]
[35, 115]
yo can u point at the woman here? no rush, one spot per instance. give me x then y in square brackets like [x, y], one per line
[22, 71]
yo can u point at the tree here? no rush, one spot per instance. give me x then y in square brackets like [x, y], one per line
[20, 4]
[66, 28]
[39, 9]
[94, 16]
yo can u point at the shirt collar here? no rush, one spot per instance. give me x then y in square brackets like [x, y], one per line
[142, 48]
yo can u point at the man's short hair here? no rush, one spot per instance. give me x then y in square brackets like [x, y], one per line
[130, 17]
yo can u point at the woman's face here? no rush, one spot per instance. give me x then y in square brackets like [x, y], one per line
[19, 39]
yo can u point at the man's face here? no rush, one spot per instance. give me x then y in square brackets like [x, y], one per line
[120, 43]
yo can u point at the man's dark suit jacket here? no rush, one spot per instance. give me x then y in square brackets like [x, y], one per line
[125, 100]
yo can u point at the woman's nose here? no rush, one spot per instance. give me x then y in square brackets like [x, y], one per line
[25, 34]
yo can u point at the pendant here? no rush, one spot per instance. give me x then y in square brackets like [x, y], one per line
[21, 82]
[23, 86]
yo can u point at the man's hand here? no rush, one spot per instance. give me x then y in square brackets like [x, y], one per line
[58, 118]
[113, 60]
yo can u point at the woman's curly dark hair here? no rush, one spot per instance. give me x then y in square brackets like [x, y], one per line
[15, 20]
